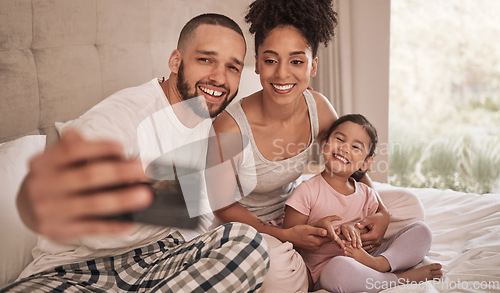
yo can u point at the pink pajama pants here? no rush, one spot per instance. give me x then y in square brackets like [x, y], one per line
[403, 250]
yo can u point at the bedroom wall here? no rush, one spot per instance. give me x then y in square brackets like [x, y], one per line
[58, 58]
[369, 68]
[97, 51]
[236, 10]
[353, 70]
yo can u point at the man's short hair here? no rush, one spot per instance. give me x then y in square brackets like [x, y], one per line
[207, 18]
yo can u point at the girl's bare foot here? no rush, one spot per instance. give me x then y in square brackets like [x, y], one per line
[421, 274]
[378, 263]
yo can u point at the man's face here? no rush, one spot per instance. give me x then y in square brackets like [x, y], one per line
[211, 66]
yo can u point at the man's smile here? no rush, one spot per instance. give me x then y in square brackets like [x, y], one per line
[210, 94]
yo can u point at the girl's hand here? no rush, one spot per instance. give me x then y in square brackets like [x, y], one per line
[326, 223]
[352, 234]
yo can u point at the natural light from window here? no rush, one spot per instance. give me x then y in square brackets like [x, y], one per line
[445, 94]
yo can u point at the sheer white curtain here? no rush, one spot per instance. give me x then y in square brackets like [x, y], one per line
[333, 77]
[353, 71]
[334, 67]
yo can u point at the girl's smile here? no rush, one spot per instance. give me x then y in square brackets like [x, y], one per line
[341, 158]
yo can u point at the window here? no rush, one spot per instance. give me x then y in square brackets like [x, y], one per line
[444, 121]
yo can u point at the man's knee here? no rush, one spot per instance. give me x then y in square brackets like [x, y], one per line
[244, 233]
[247, 240]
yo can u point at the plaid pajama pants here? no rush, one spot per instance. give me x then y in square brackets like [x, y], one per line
[231, 258]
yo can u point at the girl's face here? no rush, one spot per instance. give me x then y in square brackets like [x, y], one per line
[347, 149]
[285, 64]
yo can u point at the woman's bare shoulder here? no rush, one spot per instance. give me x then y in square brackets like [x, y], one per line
[225, 123]
[323, 104]
[326, 113]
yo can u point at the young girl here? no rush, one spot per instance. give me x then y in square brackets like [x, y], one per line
[343, 265]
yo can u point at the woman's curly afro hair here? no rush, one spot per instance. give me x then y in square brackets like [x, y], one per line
[315, 19]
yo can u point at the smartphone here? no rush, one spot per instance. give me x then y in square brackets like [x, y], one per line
[176, 199]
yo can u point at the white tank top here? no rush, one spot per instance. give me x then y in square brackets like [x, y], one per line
[272, 181]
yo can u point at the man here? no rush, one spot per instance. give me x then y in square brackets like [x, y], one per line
[77, 182]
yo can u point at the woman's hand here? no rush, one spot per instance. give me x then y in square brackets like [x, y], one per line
[376, 226]
[306, 237]
[302, 235]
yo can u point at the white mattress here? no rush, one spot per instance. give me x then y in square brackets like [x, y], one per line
[466, 229]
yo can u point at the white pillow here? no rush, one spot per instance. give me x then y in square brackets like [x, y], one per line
[16, 241]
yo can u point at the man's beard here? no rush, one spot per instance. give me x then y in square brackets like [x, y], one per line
[197, 107]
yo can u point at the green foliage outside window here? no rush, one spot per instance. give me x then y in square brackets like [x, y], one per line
[445, 94]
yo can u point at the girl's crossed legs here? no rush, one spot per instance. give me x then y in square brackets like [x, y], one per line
[386, 267]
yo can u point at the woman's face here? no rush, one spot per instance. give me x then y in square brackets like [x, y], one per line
[285, 64]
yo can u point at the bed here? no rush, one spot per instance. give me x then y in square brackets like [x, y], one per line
[466, 240]
[58, 58]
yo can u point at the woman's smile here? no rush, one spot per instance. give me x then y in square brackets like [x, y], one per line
[283, 88]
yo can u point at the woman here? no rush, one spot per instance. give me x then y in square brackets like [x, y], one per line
[281, 122]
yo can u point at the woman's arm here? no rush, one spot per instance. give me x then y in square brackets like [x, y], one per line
[326, 114]
[237, 213]
[223, 185]
[376, 224]
[301, 236]
[294, 218]
[224, 156]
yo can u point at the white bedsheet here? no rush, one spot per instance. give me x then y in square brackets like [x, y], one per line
[466, 229]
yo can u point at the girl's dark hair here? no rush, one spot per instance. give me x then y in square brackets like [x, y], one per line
[315, 19]
[370, 130]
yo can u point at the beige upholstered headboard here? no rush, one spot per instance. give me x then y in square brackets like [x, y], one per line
[58, 58]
